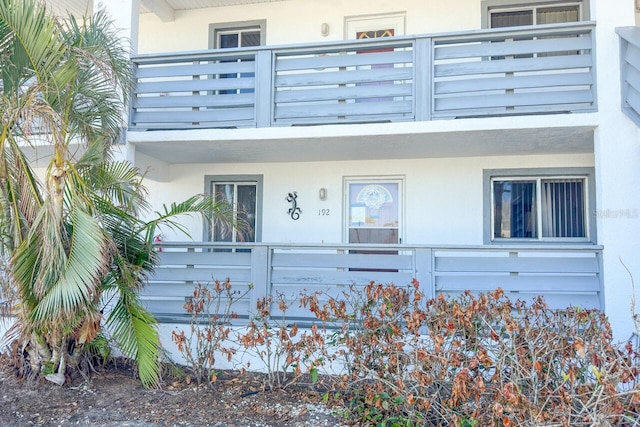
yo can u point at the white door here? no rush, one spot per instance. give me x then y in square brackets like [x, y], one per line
[373, 210]
[374, 26]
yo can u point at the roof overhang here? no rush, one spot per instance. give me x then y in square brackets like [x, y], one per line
[163, 9]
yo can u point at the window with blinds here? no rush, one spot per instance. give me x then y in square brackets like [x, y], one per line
[539, 208]
[534, 15]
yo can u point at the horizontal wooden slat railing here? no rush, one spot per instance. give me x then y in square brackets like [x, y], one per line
[495, 72]
[630, 71]
[564, 275]
[541, 70]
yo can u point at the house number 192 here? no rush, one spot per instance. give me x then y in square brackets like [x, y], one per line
[323, 212]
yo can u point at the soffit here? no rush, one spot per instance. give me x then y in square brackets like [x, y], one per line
[85, 7]
[496, 142]
[200, 4]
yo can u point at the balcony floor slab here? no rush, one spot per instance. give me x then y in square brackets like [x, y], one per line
[551, 134]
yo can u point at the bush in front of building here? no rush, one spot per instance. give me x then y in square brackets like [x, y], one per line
[398, 358]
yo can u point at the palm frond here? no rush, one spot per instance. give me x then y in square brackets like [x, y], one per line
[103, 46]
[202, 204]
[134, 330]
[120, 183]
[32, 40]
[134, 258]
[106, 74]
[20, 191]
[78, 280]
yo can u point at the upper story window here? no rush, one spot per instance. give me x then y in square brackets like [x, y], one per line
[545, 206]
[243, 37]
[535, 15]
[230, 35]
[233, 35]
[515, 13]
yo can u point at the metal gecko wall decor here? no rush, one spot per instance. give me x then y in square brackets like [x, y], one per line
[294, 211]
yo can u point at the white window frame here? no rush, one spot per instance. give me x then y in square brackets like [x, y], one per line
[539, 175]
[215, 30]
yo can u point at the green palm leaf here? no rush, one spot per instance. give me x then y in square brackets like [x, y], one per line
[134, 330]
[202, 204]
[70, 286]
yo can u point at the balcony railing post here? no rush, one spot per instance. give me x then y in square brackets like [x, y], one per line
[260, 274]
[423, 271]
[134, 95]
[598, 255]
[264, 88]
[423, 78]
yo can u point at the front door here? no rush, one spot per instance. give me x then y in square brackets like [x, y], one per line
[373, 210]
[374, 26]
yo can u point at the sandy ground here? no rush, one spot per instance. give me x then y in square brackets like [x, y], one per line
[114, 397]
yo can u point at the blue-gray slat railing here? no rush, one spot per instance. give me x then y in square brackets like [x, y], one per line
[564, 275]
[520, 70]
[630, 71]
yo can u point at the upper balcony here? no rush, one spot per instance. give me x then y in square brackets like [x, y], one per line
[482, 73]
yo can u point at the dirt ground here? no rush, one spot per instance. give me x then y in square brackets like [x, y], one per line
[115, 398]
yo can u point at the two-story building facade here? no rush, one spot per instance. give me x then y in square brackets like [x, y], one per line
[471, 144]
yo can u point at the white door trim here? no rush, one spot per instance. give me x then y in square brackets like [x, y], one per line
[354, 24]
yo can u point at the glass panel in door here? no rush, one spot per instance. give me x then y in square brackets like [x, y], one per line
[374, 212]
[373, 27]
[242, 198]
[374, 217]
[363, 35]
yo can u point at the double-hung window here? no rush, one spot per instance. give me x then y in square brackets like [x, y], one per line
[542, 208]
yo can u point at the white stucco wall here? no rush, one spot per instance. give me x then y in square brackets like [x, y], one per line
[443, 198]
[299, 21]
[617, 157]
[445, 195]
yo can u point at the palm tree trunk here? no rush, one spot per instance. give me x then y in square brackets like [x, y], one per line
[56, 189]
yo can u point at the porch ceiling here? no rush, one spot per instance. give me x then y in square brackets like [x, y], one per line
[495, 142]
[164, 9]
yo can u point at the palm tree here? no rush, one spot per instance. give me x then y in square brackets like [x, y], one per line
[75, 240]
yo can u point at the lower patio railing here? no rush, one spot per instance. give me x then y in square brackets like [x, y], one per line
[564, 275]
